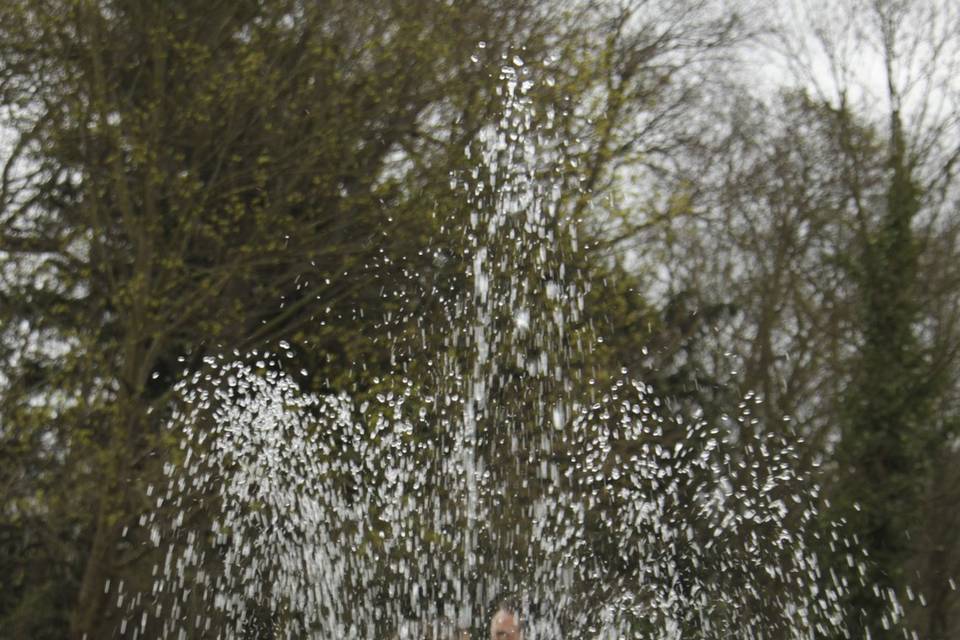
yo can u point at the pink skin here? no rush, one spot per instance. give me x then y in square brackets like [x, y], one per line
[505, 626]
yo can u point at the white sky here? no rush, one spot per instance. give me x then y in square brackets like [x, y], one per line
[833, 47]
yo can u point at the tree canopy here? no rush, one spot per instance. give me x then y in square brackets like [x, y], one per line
[185, 179]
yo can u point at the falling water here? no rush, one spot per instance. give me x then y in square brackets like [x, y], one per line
[295, 515]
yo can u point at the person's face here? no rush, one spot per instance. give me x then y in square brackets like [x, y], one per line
[505, 626]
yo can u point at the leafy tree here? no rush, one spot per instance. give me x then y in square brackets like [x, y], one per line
[192, 178]
[186, 179]
[821, 217]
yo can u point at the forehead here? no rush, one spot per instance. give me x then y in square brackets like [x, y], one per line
[504, 619]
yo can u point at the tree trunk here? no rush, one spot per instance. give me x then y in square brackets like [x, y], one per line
[90, 599]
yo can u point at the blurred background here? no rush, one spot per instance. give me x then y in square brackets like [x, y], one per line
[763, 196]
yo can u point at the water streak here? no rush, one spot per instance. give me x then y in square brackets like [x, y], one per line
[293, 515]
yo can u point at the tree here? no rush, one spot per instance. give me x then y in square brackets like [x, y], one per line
[189, 179]
[178, 168]
[822, 217]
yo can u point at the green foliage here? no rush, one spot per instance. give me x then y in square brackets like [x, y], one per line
[890, 432]
[189, 178]
[186, 179]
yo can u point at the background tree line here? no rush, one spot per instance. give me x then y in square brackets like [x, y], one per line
[182, 178]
